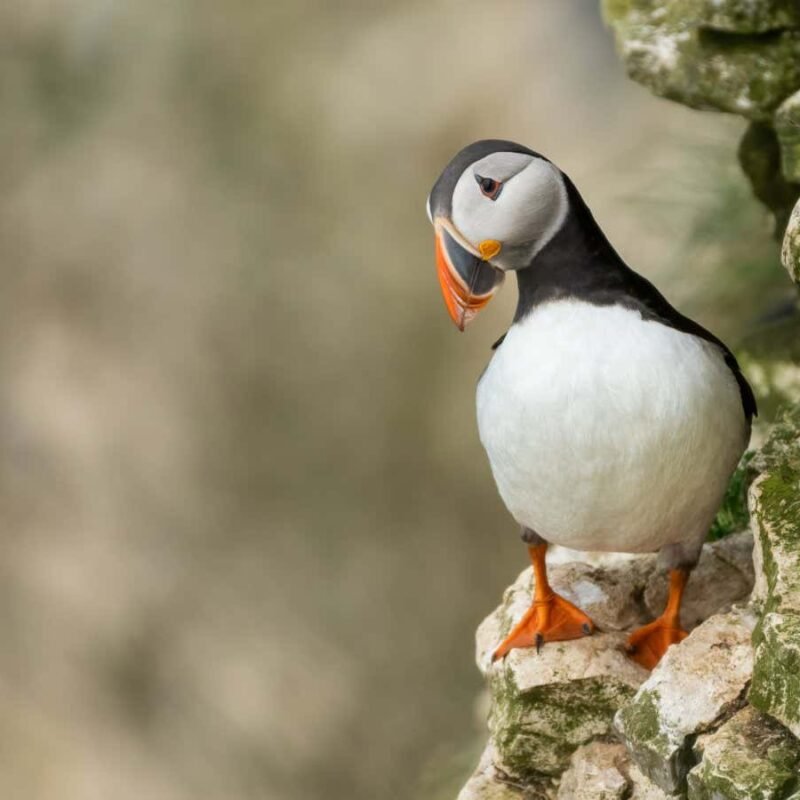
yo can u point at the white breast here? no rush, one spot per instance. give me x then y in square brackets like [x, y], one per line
[608, 432]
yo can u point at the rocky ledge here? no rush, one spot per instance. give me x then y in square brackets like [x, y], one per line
[718, 718]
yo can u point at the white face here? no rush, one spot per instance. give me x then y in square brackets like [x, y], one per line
[528, 206]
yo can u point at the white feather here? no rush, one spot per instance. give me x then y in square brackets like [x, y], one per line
[608, 432]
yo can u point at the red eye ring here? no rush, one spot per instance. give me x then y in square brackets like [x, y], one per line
[489, 187]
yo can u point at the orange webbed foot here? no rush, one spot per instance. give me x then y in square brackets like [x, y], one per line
[647, 644]
[548, 620]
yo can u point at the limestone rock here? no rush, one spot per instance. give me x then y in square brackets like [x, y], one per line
[776, 675]
[488, 783]
[629, 590]
[546, 705]
[750, 757]
[609, 595]
[790, 252]
[729, 55]
[601, 770]
[604, 771]
[596, 772]
[774, 499]
[775, 508]
[642, 788]
[696, 685]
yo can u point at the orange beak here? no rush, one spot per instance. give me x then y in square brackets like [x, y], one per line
[468, 282]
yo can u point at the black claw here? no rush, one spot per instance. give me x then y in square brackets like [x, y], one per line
[587, 628]
[539, 642]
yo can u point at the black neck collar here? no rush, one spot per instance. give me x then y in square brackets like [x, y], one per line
[577, 262]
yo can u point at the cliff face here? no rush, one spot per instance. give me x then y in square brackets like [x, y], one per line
[738, 56]
[719, 717]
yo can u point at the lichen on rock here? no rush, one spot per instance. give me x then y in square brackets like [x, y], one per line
[489, 783]
[711, 55]
[775, 509]
[693, 688]
[546, 705]
[774, 500]
[749, 757]
[738, 56]
[776, 676]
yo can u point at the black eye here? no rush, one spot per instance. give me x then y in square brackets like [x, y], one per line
[490, 187]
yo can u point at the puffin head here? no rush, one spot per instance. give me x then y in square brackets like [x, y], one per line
[495, 205]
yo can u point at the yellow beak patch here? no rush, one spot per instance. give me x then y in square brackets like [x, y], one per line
[489, 248]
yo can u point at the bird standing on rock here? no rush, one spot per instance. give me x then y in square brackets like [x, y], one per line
[612, 422]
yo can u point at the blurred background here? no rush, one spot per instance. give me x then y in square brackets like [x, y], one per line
[248, 527]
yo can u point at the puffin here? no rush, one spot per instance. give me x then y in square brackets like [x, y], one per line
[611, 421]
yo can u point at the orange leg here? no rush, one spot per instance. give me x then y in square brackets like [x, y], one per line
[647, 644]
[550, 618]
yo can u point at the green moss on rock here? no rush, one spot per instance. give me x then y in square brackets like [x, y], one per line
[739, 56]
[489, 783]
[686, 50]
[750, 757]
[748, 17]
[775, 510]
[544, 705]
[660, 757]
[536, 731]
[693, 688]
[653, 749]
[776, 675]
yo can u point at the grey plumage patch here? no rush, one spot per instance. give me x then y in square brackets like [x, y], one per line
[530, 536]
